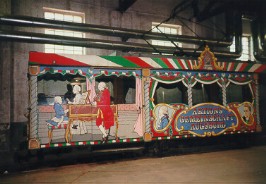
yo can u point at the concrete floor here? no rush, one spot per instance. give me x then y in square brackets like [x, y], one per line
[232, 166]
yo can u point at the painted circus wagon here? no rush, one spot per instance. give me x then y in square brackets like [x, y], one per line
[90, 100]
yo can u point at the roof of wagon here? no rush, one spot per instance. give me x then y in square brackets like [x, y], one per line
[203, 63]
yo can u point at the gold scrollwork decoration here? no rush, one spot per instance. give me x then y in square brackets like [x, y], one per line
[207, 61]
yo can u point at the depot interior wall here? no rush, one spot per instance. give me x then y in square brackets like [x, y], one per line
[139, 16]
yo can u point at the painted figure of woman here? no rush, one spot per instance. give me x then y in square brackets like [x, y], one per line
[78, 96]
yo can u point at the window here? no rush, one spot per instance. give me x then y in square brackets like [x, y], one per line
[247, 49]
[122, 89]
[238, 93]
[62, 15]
[170, 93]
[209, 93]
[167, 29]
[51, 85]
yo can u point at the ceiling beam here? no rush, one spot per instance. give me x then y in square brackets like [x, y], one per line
[125, 4]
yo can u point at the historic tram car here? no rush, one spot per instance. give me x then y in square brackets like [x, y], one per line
[93, 100]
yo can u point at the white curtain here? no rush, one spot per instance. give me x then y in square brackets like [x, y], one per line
[138, 127]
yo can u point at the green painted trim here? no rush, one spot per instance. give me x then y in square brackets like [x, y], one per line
[160, 62]
[121, 61]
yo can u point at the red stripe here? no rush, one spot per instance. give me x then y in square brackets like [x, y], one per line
[138, 61]
[244, 65]
[189, 64]
[224, 64]
[53, 59]
[165, 60]
[181, 64]
[232, 67]
[261, 68]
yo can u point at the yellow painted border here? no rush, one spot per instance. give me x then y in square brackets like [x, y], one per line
[211, 133]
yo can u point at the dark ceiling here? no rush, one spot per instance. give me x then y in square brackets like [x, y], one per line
[204, 9]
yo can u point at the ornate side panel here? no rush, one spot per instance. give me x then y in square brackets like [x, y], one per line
[33, 127]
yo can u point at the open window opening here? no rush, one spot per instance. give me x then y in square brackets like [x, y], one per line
[238, 93]
[206, 93]
[51, 85]
[170, 93]
[122, 88]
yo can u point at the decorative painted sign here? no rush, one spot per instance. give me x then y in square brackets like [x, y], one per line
[208, 119]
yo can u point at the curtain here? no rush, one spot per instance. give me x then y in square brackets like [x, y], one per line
[138, 127]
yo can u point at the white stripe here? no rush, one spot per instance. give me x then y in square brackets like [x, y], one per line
[238, 66]
[173, 63]
[254, 67]
[91, 60]
[150, 62]
[190, 63]
[228, 67]
[184, 63]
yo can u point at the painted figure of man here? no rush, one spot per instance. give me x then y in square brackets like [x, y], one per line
[163, 117]
[59, 113]
[248, 117]
[105, 116]
[60, 116]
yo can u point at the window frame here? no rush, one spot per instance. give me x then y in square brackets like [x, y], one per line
[162, 27]
[247, 48]
[64, 49]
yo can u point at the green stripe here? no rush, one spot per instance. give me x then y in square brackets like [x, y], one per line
[177, 63]
[121, 61]
[160, 62]
[33, 63]
[247, 68]
[235, 66]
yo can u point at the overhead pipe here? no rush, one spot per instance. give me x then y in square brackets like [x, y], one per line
[108, 31]
[19, 36]
[234, 28]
